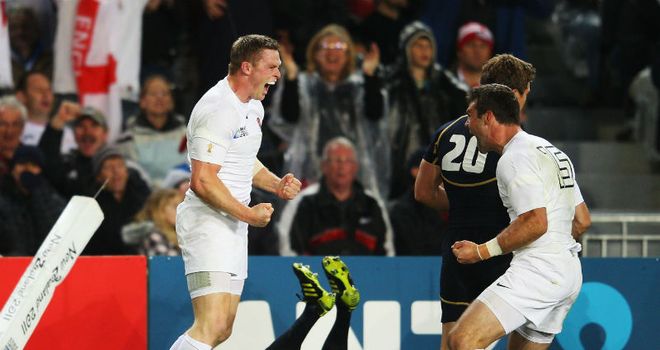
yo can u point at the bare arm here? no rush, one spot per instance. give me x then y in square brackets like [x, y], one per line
[581, 220]
[527, 228]
[428, 187]
[205, 183]
[286, 188]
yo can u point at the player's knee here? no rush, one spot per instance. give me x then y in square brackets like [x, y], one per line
[222, 328]
[458, 340]
[217, 328]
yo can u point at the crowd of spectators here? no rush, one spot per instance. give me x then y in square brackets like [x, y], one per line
[365, 84]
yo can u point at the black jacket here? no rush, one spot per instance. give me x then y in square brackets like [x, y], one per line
[70, 174]
[107, 239]
[416, 112]
[26, 219]
[325, 226]
[418, 229]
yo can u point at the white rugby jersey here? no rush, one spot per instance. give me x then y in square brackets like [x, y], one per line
[223, 130]
[532, 173]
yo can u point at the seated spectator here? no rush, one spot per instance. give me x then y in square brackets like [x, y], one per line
[12, 121]
[474, 47]
[72, 173]
[122, 197]
[154, 137]
[157, 223]
[35, 92]
[336, 216]
[423, 96]
[28, 51]
[331, 98]
[29, 206]
[418, 229]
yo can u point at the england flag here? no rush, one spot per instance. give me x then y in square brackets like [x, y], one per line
[97, 54]
[6, 80]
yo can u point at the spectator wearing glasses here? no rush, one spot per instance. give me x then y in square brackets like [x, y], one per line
[331, 98]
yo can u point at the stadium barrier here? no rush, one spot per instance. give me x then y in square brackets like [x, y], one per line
[617, 308]
[103, 304]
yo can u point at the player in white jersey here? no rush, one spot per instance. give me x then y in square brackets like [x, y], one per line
[224, 135]
[537, 185]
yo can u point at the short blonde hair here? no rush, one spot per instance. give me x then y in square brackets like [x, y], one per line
[315, 43]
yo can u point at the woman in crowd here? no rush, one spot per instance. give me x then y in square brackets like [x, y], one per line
[331, 98]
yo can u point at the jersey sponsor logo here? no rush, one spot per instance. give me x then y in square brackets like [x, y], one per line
[241, 132]
[503, 286]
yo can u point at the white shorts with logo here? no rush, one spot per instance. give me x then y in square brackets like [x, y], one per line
[211, 241]
[541, 286]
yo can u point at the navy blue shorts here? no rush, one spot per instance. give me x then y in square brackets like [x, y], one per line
[460, 284]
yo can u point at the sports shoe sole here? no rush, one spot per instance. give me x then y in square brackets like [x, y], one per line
[341, 282]
[312, 289]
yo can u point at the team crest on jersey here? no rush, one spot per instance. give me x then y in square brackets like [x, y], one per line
[241, 132]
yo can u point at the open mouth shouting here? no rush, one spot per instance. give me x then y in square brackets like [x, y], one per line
[268, 85]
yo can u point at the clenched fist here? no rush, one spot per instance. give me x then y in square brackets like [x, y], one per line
[466, 252]
[67, 112]
[288, 187]
[261, 214]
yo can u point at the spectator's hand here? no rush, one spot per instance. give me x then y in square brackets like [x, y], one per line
[67, 112]
[371, 60]
[465, 252]
[289, 63]
[215, 8]
[261, 214]
[289, 187]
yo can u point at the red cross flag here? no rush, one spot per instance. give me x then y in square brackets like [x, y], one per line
[97, 54]
[6, 80]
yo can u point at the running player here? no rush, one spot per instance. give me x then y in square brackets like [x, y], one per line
[454, 175]
[224, 135]
[537, 185]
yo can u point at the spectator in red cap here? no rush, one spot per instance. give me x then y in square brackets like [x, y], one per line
[474, 47]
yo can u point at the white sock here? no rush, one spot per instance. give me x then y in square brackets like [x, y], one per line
[185, 342]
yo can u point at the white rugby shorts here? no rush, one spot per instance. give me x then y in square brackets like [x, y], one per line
[210, 240]
[542, 286]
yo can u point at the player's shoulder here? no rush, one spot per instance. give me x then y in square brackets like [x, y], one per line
[521, 151]
[256, 106]
[456, 126]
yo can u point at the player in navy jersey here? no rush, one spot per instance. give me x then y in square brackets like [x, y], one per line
[454, 175]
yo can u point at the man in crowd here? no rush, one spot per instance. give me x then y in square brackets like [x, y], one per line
[35, 92]
[29, 206]
[72, 173]
[12, 121]
[474, 46]
[336, 215]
